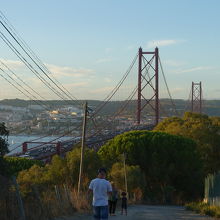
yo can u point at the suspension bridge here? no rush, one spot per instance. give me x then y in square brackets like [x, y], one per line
[134, 101]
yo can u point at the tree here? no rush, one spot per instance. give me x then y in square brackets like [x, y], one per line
[33, 177]
[135, 178]
[90, 166]
[168, 161]
[3, 148]
[57, 171]
[3, 140]
[204, 130]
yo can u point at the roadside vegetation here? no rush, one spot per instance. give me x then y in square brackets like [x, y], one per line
[162, 167]
[204, 208]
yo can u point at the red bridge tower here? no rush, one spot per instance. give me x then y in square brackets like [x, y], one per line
[148, 77]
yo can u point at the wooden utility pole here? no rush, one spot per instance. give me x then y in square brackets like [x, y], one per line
[82, 147]
[20, 203]
[125, 173]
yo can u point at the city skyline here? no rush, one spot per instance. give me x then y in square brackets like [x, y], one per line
[89, 45]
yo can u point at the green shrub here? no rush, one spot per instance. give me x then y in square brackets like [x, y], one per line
[204, 208]
[16, 164]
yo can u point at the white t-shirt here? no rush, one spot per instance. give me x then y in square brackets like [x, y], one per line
[100, 188]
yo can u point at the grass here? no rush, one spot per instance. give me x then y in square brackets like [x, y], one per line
[42, 204]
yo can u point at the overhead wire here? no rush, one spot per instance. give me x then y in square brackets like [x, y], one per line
[108, 97]
[42, 70]
[19, 38]
[168, 90]
[128, 100]
[26, 84]
[30, 67]
[20, 89]
[188, 102]
[111, 94]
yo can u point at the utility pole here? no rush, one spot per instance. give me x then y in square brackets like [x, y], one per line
[125, 173]
[20, 203]
[82, 147]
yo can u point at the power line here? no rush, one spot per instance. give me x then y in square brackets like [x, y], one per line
[20, 89]
[30, 67]
[108, 97]
[35, 62]
[13, 30]
[22, 80]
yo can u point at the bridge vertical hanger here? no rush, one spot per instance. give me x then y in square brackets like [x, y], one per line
[151, 82]
[196, 102]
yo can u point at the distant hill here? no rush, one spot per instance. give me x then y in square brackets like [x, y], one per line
[210, 107]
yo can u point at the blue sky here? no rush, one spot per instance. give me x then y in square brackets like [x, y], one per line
[89, 44]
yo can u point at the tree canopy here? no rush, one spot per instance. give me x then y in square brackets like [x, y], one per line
[3, 140]
[204, 130]
[168, 161]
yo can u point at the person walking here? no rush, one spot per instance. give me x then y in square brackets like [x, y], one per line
[101, 189]
[113, 200]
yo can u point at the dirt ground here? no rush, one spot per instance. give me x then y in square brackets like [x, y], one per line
[144, 212]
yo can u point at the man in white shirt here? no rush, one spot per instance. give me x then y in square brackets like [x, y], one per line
[101, 188]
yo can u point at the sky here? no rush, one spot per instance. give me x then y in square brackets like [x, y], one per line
[89, 44]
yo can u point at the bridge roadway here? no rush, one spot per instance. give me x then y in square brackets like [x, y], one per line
[46, 151]
[146, 212]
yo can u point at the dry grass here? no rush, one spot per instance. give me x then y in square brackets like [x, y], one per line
[41, 204]
[81, 203]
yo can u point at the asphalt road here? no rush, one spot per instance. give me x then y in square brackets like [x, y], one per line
[144, 212]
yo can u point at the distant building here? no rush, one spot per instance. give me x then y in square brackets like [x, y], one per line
[36, 107]
[13, 108]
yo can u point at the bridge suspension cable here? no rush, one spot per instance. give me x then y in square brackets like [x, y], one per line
[106, 100]
[168, 90]
[112, 93]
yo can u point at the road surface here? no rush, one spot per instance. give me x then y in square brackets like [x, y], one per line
[144, 212]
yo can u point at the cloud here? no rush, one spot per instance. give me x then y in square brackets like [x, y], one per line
[108, 50]
[176, 90]
[131, 47]
[58, 71]
[108, 80]
[104, 60]
[173, 63]
[162, 43]
[74, 85]
[101, 90]
[195, 69]
[61, 71]
[15, 64]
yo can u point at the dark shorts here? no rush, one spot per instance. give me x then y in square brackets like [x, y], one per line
[100, 212]
[124, 205]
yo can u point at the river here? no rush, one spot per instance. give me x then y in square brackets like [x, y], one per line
[16, 141]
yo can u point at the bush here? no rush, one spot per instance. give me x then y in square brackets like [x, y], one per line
[204, 208]
[16, 164]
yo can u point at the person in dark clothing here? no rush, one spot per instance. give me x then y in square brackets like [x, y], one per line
[123, 203]
[113, 200]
